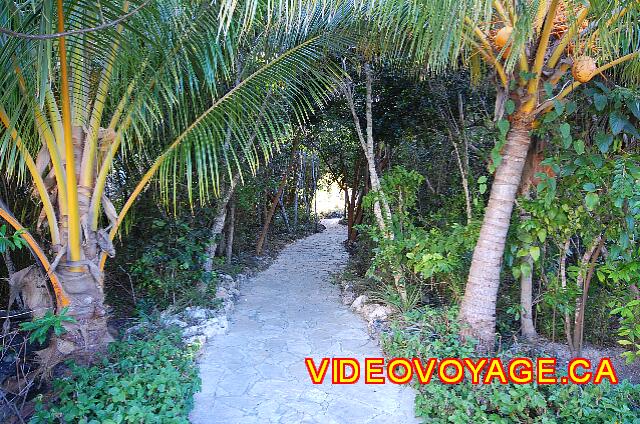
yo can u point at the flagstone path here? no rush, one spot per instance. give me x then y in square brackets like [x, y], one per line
[256, 372]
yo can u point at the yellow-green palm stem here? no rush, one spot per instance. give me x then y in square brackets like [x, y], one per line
[478, 33]
[73, 223]
[79, 99]
[54, 155]
[44, 130]
[35, 175]
[566, 38]
[94, 208]
[538, 62]
[91, 144]
[502, 13]
[56, 120]
[61, 298]
[548, 105]
[491, 60]
[540, 14]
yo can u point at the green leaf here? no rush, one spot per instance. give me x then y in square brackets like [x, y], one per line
[542, 235]
[534, 252]
[634, 107]
[590, 187]
[525, 269]
[604, 141]
[503, 126]
[509, 107]
[550, 117]
[591, 200]
[599, 101]
[559, 106]
[548, 88]
[617, 122]
[565, 130]
[578, 146]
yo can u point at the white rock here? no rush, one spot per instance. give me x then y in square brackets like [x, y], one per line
[348, 297]
[214, 326]
[379, 312]
[195, 313]
[359, 303]
[172, 320]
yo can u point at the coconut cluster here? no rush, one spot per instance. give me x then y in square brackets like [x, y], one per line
[584, 67]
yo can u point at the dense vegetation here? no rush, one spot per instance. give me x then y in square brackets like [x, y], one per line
[487, 152]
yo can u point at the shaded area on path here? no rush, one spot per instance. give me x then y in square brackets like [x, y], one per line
[256, 373]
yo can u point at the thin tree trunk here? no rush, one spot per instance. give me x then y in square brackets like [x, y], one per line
[276, 197]
[563, 284]
[478, 307]
[11, 268]
[283, 212]
[465, 180]
[528, 329]
[222, 243]
[231, 229]
[589, 262]
[367, 146]
[526, 303]
[299, 182]
[218, 223]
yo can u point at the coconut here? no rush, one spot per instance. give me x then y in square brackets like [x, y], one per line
[502, 36]
[584, 68]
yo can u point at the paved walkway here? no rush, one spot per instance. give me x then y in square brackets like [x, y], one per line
[256, 373]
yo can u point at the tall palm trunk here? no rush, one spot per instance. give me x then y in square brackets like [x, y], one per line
[479, 303]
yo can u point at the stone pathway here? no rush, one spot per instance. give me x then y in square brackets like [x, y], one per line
[256, 373]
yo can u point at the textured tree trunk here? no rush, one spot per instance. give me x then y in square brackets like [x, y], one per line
[231, 229]
[526, 304]
[381, 209]
[218, 224]
[82, 285]
[478, 308]
[584, 280]
[89, 334]
[528, 329]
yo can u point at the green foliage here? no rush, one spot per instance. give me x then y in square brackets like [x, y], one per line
[170, 267]
[10, 242]
[629, 329]
[437, 257]
[40, 327]
[433, 333]
[444, 255]
[589, 190]
[146, 379]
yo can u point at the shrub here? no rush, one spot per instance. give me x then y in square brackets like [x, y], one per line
[170, 268]
[433, 333]
[146, 379]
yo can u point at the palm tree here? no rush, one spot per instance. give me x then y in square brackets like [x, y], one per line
[150, 81]
[540, 51]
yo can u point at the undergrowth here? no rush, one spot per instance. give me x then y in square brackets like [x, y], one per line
[150, 377]
[433, 333]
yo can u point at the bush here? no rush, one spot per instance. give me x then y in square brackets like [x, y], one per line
[170, 268]
[146, 379]
[433, 333]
